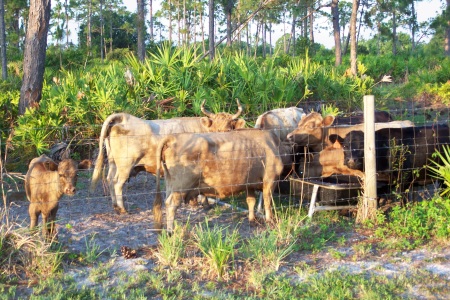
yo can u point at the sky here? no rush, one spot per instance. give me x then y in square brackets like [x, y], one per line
[426, 9]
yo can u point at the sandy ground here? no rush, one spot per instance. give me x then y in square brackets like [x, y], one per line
[88, 219]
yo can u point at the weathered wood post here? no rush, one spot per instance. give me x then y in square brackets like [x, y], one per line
[367, 211]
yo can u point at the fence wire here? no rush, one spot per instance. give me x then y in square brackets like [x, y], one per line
[81, 144]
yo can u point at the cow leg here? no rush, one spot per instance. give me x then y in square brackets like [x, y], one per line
[52, 220]
[251, 201]
[45, 224]
[110, 180]
[34, 215]
[267, 196]
[117, 179]
[172, 204]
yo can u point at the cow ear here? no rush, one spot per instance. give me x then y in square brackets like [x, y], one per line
[328, 120]
[206, 122]
[50, 165]
[240, 123]
[85, 164]
[335, 138]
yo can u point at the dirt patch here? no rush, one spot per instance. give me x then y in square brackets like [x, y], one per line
[89, 217]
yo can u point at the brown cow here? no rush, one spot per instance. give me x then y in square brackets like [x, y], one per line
[314, 130]
[331, 161]
[45, 183]
[218, 165]
[131, 142]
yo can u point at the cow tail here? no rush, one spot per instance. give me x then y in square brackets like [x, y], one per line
[157, 204]
[111, 120]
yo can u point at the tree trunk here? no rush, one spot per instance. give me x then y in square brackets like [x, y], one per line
[194, 27]
[413, 26]
[248, 38]
[202, 28]
[263, 28]
[394, 32]
[447, 32]
[102, 55]
[150, 8]
[110, 31]
[336, 32]
[185, 25]
[34, 55]
[229, 10]
[212, 49]
[170, 21]
[292, 39]
[361, 16]
[16, 28]
[66, 6]
[3, 41]
[141, 29]
[353, 65]
[311, 25]
[89, 31]
[270, 39]
[179, 22]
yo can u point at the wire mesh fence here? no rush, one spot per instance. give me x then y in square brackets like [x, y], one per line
[91, 212]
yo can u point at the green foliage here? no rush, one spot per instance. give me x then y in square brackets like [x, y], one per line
[317, 234]
[266, 249]
[417, 223]
[441, 168]
[217, 244]
[330, 110]
[171, 246]
[71, 58]
[93, 251]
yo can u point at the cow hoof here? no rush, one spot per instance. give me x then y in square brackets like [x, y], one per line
[120, 210]
[193, 203]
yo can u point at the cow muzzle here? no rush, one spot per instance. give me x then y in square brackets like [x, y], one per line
[353, 164]
[70, 190]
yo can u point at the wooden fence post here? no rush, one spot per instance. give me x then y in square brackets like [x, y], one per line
[368, 209]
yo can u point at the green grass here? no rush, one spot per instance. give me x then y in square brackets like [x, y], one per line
[93, 251]
[217, 245]
[172, 246]
[295, 258]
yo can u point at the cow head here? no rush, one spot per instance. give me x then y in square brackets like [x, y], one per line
[67, 171]
[221, 121]
[309, 131]
[353, 145]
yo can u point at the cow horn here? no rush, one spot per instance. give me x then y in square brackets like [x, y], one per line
[204, 111]
[236, 115]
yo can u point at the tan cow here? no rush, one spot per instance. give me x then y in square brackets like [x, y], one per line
[217, 165]
[314, 130]
[331, 160]
[45, 183]
[131, 142]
